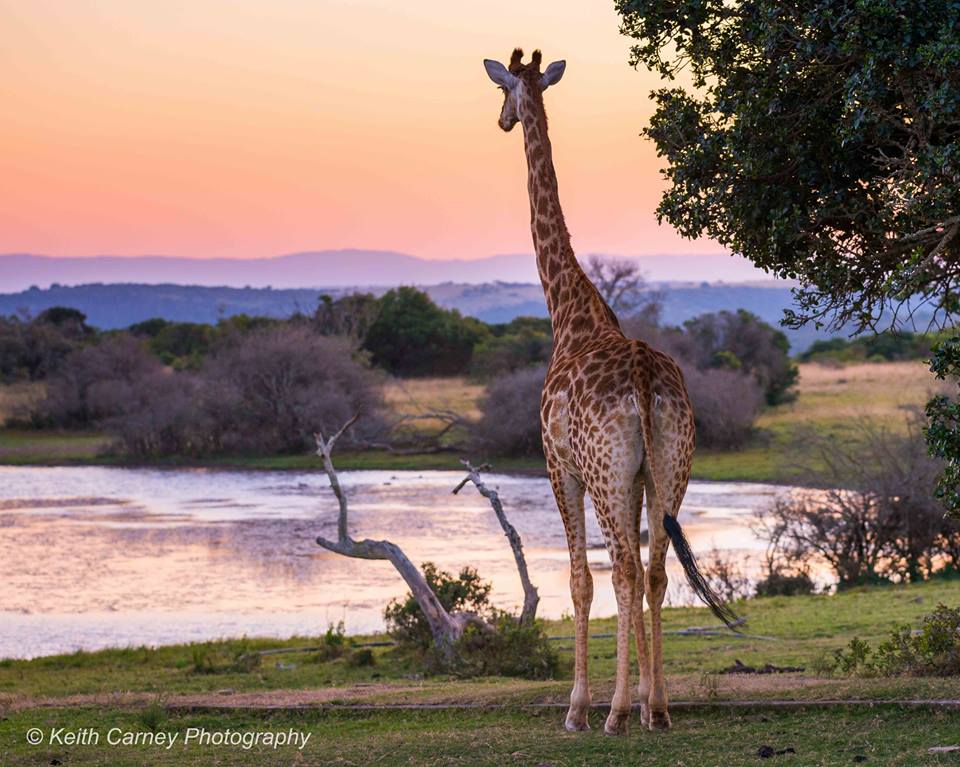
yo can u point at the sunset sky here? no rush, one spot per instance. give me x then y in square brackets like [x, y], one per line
[241, 128]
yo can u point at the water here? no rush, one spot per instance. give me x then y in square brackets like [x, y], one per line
[105, 557]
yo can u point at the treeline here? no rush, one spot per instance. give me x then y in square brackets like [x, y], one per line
[265, 385]
[882, 347]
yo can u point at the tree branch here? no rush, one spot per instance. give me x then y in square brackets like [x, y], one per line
[530, 596]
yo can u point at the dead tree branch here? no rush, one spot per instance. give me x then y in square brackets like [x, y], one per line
[530, 596]
[446, 628]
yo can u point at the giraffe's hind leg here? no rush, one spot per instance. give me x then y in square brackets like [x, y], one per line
[569, 494]
[639, 625]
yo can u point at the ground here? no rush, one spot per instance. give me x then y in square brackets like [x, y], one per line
[364, 715]
[828, 397]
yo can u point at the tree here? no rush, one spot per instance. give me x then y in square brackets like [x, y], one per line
[413, 336]
[821, 140]
[622, 285]
[349, 316]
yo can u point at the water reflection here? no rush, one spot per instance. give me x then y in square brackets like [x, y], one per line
[93, 557]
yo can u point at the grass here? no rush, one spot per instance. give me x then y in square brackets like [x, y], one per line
[805, 630]
[828, 398]
[170, 689]
[883, 736]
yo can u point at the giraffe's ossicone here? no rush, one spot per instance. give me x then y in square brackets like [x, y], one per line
[617, 423]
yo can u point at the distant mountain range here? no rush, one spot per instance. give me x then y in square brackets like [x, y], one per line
[332, 269]
[120, 305]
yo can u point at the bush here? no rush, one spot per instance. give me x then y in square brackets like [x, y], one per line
[466, 592]
[510, 414]
[99, 382]
[934, 650]
[333, 644]
[270, 390]
[521, 343]
[502, 648]
[781, 584]
[507, 649]
[737, 341]
[884, 524]
[411, 335]
[726, 404]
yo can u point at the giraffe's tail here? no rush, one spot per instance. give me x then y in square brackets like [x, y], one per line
[695, 577]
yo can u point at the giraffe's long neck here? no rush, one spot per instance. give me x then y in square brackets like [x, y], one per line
[576, 308]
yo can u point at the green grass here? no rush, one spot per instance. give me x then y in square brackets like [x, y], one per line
[201, 685]
[805, 630]
[885, 736]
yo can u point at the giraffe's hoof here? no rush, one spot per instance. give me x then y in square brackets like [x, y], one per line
[644, 715]
[659, 720]
[576, 721]
[616, 723]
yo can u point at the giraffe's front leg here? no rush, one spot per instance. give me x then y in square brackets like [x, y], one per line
[581, 589]
[569, 494]
[624, 585]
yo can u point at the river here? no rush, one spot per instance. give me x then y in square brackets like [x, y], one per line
[95, 557]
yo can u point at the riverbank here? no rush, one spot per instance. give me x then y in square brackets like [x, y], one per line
[499, 720]
[828, 399]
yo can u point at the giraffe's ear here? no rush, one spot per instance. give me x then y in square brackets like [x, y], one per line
[499, 74]
[552, 75]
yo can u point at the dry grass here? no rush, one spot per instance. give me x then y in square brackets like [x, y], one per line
[831, 395]
[411, 396]
[17, 399]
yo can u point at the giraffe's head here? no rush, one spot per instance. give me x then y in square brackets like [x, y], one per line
[519, 80]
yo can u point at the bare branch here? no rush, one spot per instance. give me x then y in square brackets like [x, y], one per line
[530, 596]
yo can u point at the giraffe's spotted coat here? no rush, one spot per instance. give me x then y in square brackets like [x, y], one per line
[617, 423]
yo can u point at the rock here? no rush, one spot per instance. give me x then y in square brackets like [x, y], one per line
[942, 749]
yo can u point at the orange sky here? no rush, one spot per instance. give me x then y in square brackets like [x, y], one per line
[242, 128]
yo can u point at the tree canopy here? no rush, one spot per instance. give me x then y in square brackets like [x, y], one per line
[818, 138]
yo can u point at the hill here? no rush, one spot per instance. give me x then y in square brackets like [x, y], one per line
[330, 269]
[111, 306]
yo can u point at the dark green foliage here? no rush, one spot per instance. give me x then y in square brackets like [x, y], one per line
[781, 584]
[506, 649]
[361, 658]
[501, 647]
[180, 344]
[821, 140]
[889, 347]
[517, 344]
[333, 644]
[349, 316]
[466, 592]
[933, 650]
[943, 427]
[413, 336]
[72, 323]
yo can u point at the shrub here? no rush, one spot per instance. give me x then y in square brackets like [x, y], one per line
[512, 346]
[726, 404]
[738, 341]
[466, 592]
[503, 647]
[411, 335]
[883, 525]
[507, 649]
[510, 414]
[333, 644]
[361, 658]
[271, 389]
[99, 382]
[933, 650]
[780, 584]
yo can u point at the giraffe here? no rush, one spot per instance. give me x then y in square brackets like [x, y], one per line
[617, 423]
